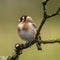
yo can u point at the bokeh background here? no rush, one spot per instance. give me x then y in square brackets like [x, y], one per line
[11, 10]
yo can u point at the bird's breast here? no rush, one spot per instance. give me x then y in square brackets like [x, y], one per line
[20, 26]
[27, 32]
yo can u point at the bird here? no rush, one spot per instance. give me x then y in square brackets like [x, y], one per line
[26, 28]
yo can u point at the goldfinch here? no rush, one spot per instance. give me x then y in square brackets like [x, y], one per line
[26, 28]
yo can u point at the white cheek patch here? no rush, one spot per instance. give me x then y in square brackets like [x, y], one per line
[23, 18]
[20, 26]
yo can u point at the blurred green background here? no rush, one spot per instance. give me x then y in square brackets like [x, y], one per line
[11, 10]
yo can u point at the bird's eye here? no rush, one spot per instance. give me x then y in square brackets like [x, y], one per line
[25, 18]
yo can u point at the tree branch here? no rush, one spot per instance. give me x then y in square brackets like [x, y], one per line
[50, 41]
[56, 13]
[44, 16]
[19, 47]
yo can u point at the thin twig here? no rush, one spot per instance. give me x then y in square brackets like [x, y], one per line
[44, 16]
[56, 13]
[50, 41]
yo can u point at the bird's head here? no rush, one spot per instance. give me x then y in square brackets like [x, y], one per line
[25, 19]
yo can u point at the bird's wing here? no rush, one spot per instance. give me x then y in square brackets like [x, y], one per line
[34, 25]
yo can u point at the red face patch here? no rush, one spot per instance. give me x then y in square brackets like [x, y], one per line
[21, 19]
